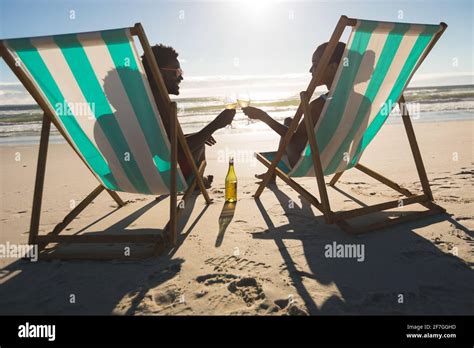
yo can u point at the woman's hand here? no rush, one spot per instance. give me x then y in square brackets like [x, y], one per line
[254, 113]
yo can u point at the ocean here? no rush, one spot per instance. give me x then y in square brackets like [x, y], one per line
[201, 99]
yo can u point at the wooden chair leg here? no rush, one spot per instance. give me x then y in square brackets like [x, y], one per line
[39, 181]
[173, 233]
[380, 225]
[116, 198]
[318, 170]
[281, 150]
[414, 149]
[43, 240]
[293, 184]
[192, 164]
[335, 178]
[38, 191]
[79, 208]
[184, 200]
[393, 185]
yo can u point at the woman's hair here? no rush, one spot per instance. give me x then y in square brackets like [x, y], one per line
[336, 55]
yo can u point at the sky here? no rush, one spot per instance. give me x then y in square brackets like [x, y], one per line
[248, 37]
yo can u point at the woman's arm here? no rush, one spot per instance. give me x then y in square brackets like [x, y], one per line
[258, 114]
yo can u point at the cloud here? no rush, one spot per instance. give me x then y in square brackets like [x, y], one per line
[442, 79]
[13, 93]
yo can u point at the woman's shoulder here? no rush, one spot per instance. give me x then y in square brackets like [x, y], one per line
[319, 101]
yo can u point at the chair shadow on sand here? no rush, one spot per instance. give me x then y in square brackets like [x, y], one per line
[101, 283]
[397, 261]
[45, 286]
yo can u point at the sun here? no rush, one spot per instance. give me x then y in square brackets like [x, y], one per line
[257, 7]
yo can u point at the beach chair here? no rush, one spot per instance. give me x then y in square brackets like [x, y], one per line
[92, 86]
[378, 62]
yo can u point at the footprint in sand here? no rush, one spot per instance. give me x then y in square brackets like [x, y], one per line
[224, 263]
[465, 172]
[217, 278]
[458, 233]
[247, 288]
[170, 300]
[443, 244]
[443, 178]
[167, 297]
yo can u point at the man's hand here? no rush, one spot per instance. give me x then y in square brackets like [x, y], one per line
[210, 141]
[254, 113]
[224, 118]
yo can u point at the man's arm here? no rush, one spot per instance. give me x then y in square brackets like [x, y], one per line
[196, 140]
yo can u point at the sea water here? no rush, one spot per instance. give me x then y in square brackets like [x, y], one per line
[20, 120]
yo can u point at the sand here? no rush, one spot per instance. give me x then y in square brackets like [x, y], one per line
[270, 259]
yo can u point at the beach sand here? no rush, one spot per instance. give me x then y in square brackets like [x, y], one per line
[271, 257]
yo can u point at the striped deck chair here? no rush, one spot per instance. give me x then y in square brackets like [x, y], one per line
[93, 88]
[378, 62]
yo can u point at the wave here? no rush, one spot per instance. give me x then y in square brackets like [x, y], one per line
[195, 112]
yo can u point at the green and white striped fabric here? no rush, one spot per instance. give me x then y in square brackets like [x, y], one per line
[98, 91]
[378, 62]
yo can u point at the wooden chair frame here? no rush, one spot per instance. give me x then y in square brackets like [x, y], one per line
[340, 218]
[165, 106]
